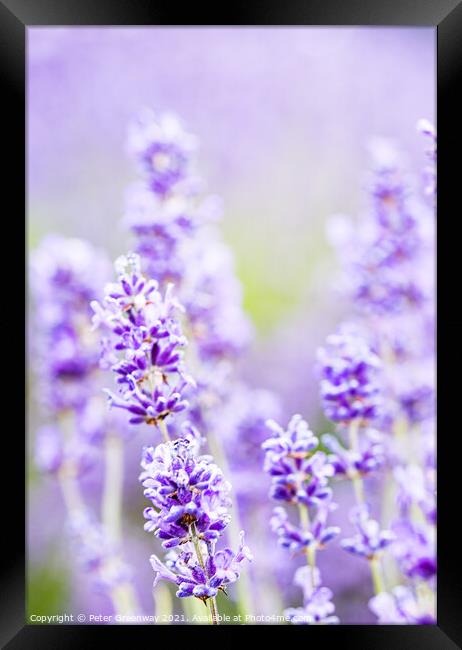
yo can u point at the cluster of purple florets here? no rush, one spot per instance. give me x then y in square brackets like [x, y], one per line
[144, 347]
[189, 512]
[185, 489]
[299, 474]
[350, 388]
[204, 579]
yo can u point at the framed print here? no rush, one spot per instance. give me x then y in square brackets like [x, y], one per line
[231, 343]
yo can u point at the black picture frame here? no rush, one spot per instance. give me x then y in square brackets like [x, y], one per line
[446, 16]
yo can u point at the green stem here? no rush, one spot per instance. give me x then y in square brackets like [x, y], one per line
[164, 430]
[113, 486]
[213, 610]
[358, 487]
[310, 551]
[211, 602]
[243, 586]
[376, 574]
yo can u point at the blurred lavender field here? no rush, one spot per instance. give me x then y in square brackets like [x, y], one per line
[286, 118]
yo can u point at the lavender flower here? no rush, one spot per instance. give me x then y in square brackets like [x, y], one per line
[299, 474]
[203, 581]
[370, 456]
[295, 539]
[190, 508]
[213, 301]
[369, 539]
[392, 290]
[145, 346]
[383, 262]
[349, 378]
[66, 276]
[318, 608]
[185, 490]
[417, 401]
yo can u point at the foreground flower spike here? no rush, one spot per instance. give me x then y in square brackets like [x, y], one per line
[318, 608]
[349, 379]
[185, 490]
[145, 346]
[189, 513]
[299, 473]
[200, 579]
[175, 227]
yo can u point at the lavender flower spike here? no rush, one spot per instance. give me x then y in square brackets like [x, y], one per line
[183, 568]
[144, 345]
[189, 512]
[349, 387]
[369, 540]
[299, 473]
[185, 490]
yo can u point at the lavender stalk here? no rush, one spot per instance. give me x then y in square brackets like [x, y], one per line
[300, 473]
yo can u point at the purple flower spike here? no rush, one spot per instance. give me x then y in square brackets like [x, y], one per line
[184, 489]
[349, 382]
[299, 473]
[348, 462]
[369, 540]
[200, 580]
[189, 512]
[144, 345]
